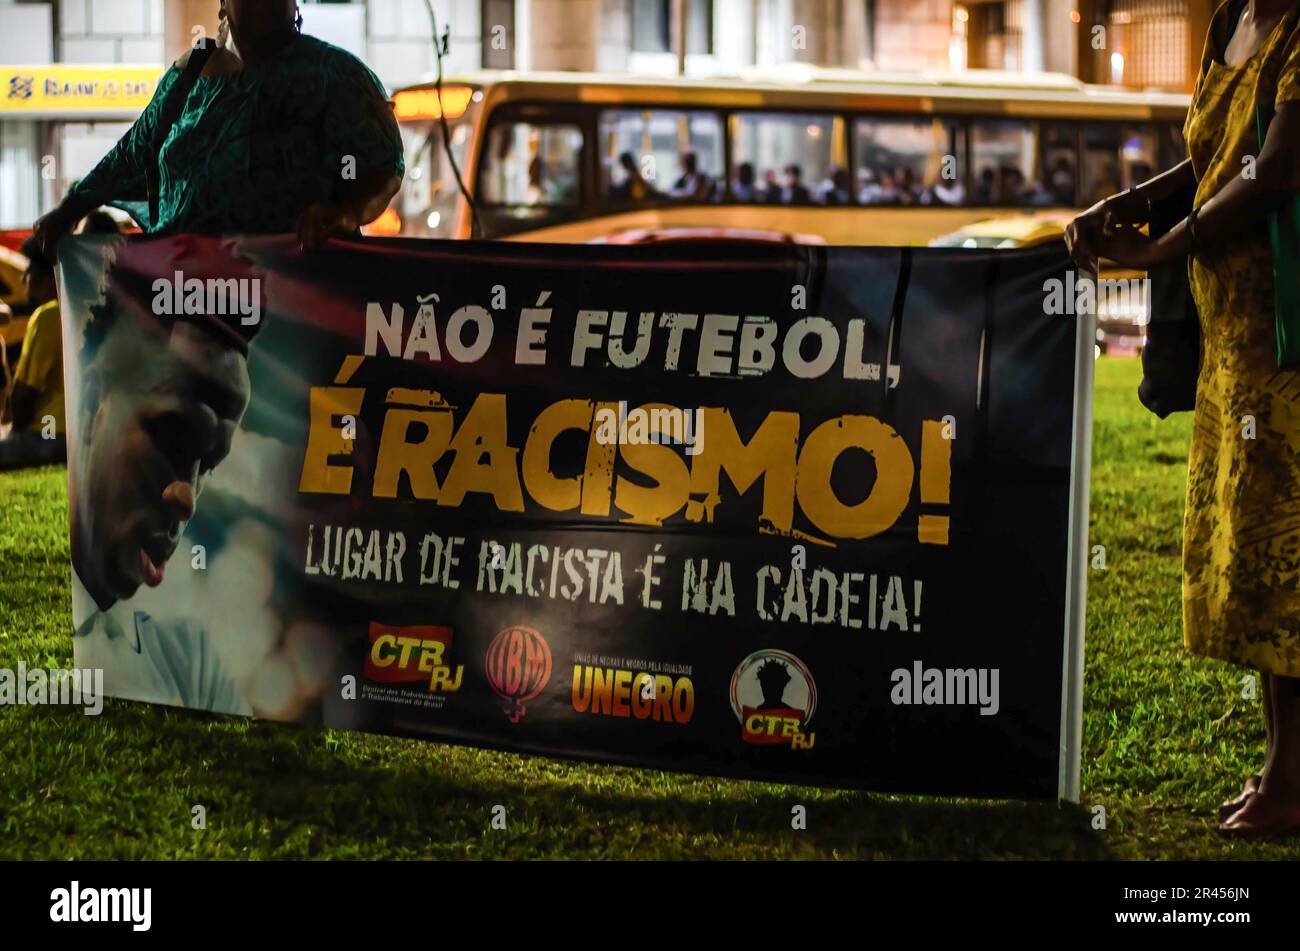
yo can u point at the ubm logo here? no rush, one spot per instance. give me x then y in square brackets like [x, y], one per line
[102, 905]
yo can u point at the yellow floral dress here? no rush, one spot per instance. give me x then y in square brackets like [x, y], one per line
[1241, 531]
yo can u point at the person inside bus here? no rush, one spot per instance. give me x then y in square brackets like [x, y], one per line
[633, 187]
[538, 191]
[868, 186]
[771, 188]
[795, 192]
[947, 193]
[34, 404]
[1107, 181]
[909, 190]
[834, 189]
[281, 133]
[745, 187]
[1010, 186]
[1062, 181]
[1241, 535]
[885, 192]
[691, 184]
[1035, 194]
[881, 191]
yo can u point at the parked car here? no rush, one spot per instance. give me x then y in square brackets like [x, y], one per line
[13, 302]
[12, 267]
[1017, 231]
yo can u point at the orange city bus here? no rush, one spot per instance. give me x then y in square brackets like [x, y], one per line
[974, 158]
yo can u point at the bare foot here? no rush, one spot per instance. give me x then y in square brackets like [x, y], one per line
[1265, 816]
[1230, 806]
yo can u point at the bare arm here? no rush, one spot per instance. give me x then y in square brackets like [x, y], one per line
[1096, 227]
[362, 130]
[1243, 200]
[1167, 183]
[1234, 207]
[362, 204]
[120, 174]
[368, 201]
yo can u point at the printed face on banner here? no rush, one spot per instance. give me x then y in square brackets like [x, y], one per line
[639, 505]
[159, 411]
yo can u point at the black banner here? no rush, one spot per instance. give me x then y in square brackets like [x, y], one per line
[799, 514]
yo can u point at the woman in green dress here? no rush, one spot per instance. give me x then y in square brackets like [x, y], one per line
[1241, 530]
[281, 133]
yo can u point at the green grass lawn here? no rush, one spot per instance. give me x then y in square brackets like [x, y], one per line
[1166, 737]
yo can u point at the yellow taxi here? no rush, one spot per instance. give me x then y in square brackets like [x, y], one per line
[1016, 231]
[13, 297]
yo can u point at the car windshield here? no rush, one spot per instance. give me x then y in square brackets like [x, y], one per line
[428, 201]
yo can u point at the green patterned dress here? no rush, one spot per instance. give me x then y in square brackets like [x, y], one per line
[253, 149]
[1241, 532]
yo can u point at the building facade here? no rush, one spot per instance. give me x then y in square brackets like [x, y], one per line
[1141, 43]
[89, 47]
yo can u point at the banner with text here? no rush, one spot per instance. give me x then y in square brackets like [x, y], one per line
[775, 512]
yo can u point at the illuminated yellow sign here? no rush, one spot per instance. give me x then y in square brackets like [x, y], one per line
[414, 104]
[59, 88]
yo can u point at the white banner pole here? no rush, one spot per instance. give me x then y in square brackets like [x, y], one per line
[1077, 557]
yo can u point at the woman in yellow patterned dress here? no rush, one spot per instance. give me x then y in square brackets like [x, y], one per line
[1241, 533]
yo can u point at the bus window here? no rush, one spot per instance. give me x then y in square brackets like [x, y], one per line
[530, 172]
[1058, 167]
[910, 162]
[427, 202]
[1116, 157]
[782, 158]
[658, 154]
[1004, 158]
